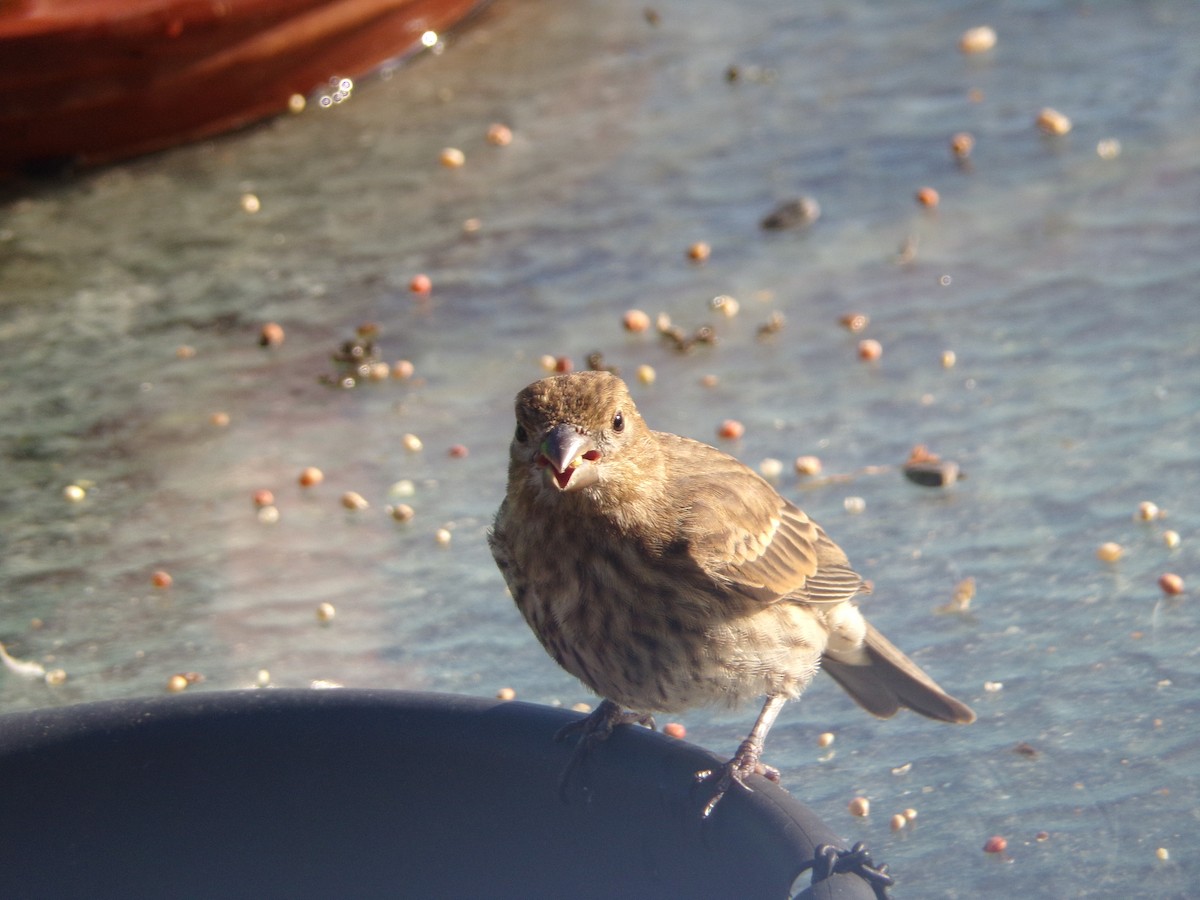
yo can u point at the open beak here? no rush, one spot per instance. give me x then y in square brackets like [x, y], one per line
[568, 453]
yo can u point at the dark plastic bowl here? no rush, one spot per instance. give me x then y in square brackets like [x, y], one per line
[346, 793]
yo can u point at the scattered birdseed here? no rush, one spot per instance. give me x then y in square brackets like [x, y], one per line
[993, 687]
[402, 369]
[636, 321]
[311, 476]
[263, 678]
[401, 512]
[1109, 148]
[458, 451]
[1109, 551]
[1148, 511]
[268, 515]
[452, 158]
[979, 39]
[789, 214]
[699, 251]
[185, 351]
[675, 730]
[251, 203]
[74, 493]
[1051, 121]
[726, 305]
[442, 536]
[869, 350]
[55, 677]
[949, 359]
[506, 693]
[411, 443]
[420, 283]
[270, 335]
[646, 374]
[1162, 853]
[928, 197]
[582, 707]
[296, 104]
[995, 844]
[860, 806]
[263, 497]
[1171, 584]
[354, 501]
[808, 465]
[731, 430]
[161, 579]
[1171, 539]
[770, 468]
[326, 613]
[961, 145]
[499, 135]
[898, 822]
[220, 419]
[854, 505]
[177, 683]
[402, 488]
[910, 814]
[825, 739]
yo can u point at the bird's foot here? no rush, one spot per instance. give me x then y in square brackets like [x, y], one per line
[744, 764]
[594, 729]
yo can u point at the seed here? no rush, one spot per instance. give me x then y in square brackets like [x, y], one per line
[770, 468]
[161, 579]
[636, 321]
[420, 283]
[506, 693]
[699, 251]
[808, 465]
[1171, 539]
[452, 158]
[1051, 121]
[354, 501]
[457, 451]
[55, 677]
[995, 844]
[1148, 511]
[582, 707]
[731, 430]
[1162, 853]
[993, 687]
[220, 419]
[402, 369]
[949, 359]
[442, 536]
[185, 351]
[177, 683]
[251, 203]
[1109, 551]
[646, 374]
[860, 806]
[1109, 148]
[268, 515]
[962, 144]
[675, 730]
[789, 214]
[1171, 584]
[910, 814]
[270, 335]
[977, 40]
[74, 493]
[499, 135]
[898, 821]
[411, 443]
[869, 350]
[709, 381]
[928, 197]
[854, 322]
[726, 305]
[325, 613]
[563, 365]
[403, 488]
[854, 505]
[401, 512]
[311, 476]
[263, 497]
[825, 738]
[1042, 836]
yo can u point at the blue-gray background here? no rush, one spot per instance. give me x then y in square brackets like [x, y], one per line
[1064, 282]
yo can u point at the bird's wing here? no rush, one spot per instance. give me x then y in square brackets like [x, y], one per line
[748, 537]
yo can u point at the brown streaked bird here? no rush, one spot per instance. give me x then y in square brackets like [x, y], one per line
[664, 574]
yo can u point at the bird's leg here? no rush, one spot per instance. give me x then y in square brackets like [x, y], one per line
[593, 729]
[746, 760]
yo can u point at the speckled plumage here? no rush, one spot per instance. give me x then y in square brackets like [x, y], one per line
[665, 574]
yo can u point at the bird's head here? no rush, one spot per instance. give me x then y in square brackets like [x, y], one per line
[575, 432]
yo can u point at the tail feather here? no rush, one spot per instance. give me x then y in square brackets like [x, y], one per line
[883, 680]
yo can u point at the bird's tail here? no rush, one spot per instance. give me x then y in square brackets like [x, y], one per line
[881, 679]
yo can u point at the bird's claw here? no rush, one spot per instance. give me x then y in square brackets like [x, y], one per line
[744, 764]
[592, 729]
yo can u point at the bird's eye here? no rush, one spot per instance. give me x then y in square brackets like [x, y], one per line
[521, 435]
[618, 422]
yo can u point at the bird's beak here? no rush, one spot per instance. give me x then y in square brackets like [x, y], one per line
[566, 452]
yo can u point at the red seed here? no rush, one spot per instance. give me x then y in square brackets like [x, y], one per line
[731, 430]
[675, 730]
[870, 350]
[636, 321]
[1171, 584]
[699, 251]
[311, 476]
[420, 284]
[271, 335]
[161, 579]
[928, 197]
[263, 497]
[563, 364]
[995, 844]
[458, 451]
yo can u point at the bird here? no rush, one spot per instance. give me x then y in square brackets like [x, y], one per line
[665, 575]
